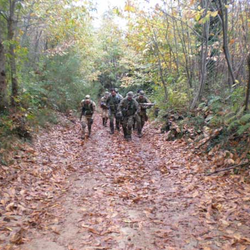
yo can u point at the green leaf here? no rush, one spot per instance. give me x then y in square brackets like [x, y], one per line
[243, 129]
[245, 118]
[233, 125]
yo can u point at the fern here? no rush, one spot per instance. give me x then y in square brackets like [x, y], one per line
[243, 129]
[233, 124]
[245, 119]
[230, 120]
[229, 115]
[240, 112]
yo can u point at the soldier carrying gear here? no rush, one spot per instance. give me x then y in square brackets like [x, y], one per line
[128, 108]
[142, 117]
[105, 109]
[112, 103]
[88, 109]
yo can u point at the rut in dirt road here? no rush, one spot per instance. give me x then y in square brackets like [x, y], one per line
[143, 194]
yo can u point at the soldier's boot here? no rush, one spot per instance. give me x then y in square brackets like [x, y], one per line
[128, 138]
[134, 122]
[124, 131]
[117, 125]
[89, 131]
[112, 128]
[83, 134]
[139, 129]
[129, 132]
[142, 124]
[139, 133]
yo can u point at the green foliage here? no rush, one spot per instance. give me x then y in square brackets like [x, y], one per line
[245, 119]
[178, 96]
[215, 103]
[6, 125]
[177, 99]
[43, 118]
[236, 98]
[239, 123]
[243, 128]
[231, 117]
[59, 84]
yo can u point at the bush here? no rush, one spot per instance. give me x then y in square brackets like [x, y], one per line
[58, 83]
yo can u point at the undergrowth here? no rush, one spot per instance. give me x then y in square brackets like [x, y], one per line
[17, 128]
[218, 123]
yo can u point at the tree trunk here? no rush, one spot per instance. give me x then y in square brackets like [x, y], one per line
[223, 13]
[184, 50]
[3, 82]
[204, 53]
[160, 66]
[13, 71]
[248, 84]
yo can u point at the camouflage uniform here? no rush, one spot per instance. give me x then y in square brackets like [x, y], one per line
[136, 116]
[118, 94]
[112, 103]
[88, 109]
[128, 108]
[104, 111]
[141, 117]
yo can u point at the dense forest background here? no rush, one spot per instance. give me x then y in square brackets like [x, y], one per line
[191, 57]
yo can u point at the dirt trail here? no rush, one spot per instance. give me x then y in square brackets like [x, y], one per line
[143, 194]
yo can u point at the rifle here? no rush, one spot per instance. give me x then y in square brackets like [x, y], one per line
[146, 105]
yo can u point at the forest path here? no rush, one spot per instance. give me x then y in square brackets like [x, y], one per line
[143, 194]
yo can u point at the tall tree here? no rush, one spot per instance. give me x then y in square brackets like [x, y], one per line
[223, 13]
[248, 84]
[3, 82]
[204, 54]
[11, 26]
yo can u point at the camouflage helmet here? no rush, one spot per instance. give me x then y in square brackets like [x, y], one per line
[130, 94]
[141, 93]
[87, 97]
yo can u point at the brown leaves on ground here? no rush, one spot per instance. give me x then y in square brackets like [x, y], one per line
[30, 187]
[106, 193]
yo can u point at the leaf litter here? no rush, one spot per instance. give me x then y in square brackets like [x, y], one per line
[106, 193]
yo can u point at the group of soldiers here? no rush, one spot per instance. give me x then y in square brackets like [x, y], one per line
[129, 112]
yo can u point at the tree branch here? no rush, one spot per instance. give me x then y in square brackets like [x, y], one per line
[3, 15]
[229, 168]
[178, 19]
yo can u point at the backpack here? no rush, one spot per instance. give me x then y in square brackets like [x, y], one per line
[87, 109]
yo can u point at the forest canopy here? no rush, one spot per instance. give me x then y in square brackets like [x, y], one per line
[185, 54]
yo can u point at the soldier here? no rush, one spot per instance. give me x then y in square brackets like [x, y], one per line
[88, 109]
[104, 108]
[112, 103]
[137, 93]
[141, 117]
[118, 118]
[118, 94]
[128, 108]
[136, 116]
